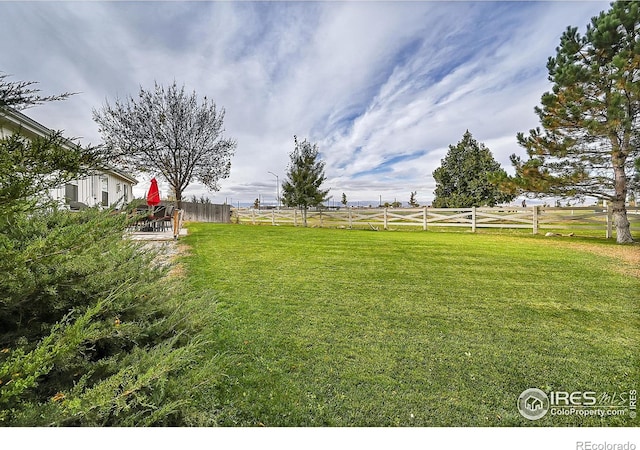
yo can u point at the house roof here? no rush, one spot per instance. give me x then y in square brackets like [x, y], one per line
[15, 121]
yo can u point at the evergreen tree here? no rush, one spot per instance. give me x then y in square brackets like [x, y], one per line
[344, 199]
[23, 94]
[590, 119]
[412, 200]
[89, 329]
[305, 176]
[29, 168]
[465, 177]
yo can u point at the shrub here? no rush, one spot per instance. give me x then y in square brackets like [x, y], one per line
[91, 329]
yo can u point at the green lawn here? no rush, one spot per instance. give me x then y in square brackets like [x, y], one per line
[328, 327]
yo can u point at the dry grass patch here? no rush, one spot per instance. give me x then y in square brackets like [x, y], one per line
[168, 254]
[625, 258]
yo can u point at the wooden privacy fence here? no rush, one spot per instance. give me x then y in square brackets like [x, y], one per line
[536, 218]
[205, 212]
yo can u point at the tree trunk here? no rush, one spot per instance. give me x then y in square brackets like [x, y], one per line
[618, 208]
[623, 231]
[178, 198]
[304, 216]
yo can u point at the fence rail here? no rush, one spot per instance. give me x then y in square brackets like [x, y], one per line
[536, 218]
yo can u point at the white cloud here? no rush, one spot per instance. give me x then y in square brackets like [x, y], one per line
[369, 81]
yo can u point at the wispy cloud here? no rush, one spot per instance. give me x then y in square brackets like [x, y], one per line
[382, 87]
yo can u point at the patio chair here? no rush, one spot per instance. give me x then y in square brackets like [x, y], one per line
[168, 217]
[142, 219]
[161, 218]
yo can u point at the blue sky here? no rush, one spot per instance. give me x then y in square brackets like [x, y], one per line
[383, 88]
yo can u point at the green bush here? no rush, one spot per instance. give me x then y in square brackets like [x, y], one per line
[92, 331]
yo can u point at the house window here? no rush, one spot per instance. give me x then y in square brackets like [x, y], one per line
[126, 193]
[70, 193]
[105, 191]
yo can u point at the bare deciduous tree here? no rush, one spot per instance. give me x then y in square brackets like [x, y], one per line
[168, 132]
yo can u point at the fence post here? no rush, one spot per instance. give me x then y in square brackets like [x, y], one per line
[609, 221]
[176, 224]
[273, 217]
[535, 219]
[253, 216]
[295, 217]
[473, 219]
[424, 219]
[320, 218]
[385, 218]
[350, 220]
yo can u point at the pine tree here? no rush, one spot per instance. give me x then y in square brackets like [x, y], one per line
[305, 176]
[590, 119]
[22, 94]
[465, 177]
[412, 200]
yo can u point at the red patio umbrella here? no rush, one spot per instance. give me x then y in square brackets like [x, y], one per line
[153, 196]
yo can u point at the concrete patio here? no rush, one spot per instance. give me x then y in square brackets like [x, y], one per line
[155, 235]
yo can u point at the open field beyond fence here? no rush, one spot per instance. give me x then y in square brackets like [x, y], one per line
[583, 220]
[329, 327]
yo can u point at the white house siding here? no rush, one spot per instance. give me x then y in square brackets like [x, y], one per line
[116, 185]
[90, 190]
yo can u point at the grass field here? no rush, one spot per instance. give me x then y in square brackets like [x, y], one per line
[327, 327]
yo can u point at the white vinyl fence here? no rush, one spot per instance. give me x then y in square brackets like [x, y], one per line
[536, 218]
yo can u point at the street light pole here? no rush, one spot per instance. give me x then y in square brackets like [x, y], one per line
[277, 188]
